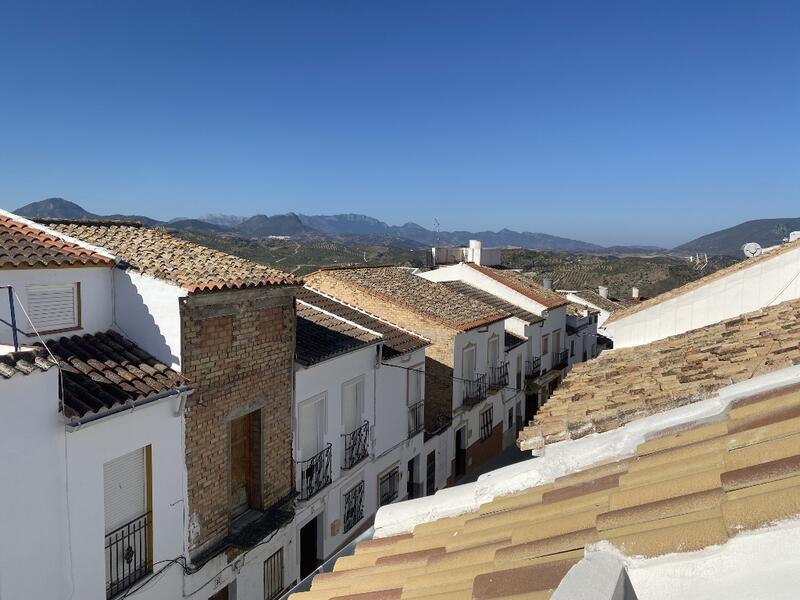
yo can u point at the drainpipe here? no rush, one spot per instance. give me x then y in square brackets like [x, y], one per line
[13, 323]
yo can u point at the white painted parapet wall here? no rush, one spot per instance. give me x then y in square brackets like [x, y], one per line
[767, 282]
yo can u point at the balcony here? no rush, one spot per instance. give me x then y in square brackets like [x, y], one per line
[128, 555]
[475, 390]
[533, 367]
[353, 506]
[563, 359]
[416, 418]
[356, 446]
[498, 376]
[315, 473]
[389, 487]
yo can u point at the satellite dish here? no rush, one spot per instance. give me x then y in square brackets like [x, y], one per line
[751, 249]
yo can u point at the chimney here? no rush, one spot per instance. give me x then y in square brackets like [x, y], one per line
[635, 293]
[603, 291]
[547, 283]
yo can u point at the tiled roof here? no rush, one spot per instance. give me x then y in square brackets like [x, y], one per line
[512, 341]
[430, 300]
[522, 284]
[698, 283]
[321, 336]
[597, 300]
[162, 255]
[685, 489]
[625, 384]
[579, 310]
[23, 362]
[99, 371]
[396, 341]
[492, 300]
[23, 246]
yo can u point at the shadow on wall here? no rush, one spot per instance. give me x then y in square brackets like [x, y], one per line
[136, 321]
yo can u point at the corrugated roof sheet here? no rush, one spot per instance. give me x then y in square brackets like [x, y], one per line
[23, 246]
[627, 383]
[698, 283]
[685, 489]
[159, 254]
[431, 300]
[396, 341]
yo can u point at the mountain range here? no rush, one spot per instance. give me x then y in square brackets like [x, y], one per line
[363, 229]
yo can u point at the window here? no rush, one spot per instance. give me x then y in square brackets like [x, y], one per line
[494, 351]
[245, 463]
[572, 347]
[468, 363]
[54, 308]
[353, 506]
[486, 424]
[128, 523]
[388, 486]
[416, 384]
[545, 344]
[511, 418]
[430, 474]
[519, 372]
[557, 340]
[352, 405]
[273, 575]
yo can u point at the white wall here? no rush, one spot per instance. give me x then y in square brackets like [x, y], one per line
[88, 449]
[601, 317]
[95, 298]
[65, 531]
[146, 311]
[391, 418]
[34, 557]
[766, 282]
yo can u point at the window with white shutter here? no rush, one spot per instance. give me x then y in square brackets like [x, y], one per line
[54, 307]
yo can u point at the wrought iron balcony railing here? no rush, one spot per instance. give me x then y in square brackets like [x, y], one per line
[356, 446]
[353, 506]
[563, 359]
[474, 390]
[389, 486]
[533, 367]
[315, 473]
[128, 555]
[498, 376]
[416, 418]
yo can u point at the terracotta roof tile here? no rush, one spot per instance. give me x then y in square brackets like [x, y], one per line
[625, 384]
[321, 336]
[99, 371]
[24, 246]
[698, 283]
[419, 296]
[492, 300]
[523, 285]
[597, 300]
[522, 546]
[396, 341]
[160, 254]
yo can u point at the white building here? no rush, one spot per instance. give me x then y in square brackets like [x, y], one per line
[550, 342]
[359, 414]
[598, 301]
[474, 253]
[754, 283]
[94, 447]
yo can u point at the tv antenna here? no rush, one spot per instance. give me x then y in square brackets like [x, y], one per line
[436, 225]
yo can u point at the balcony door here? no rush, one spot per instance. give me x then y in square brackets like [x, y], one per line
[312, 427]
[494, 351]
[468, 363]
[352, 405]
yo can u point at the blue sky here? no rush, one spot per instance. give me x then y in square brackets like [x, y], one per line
[611, 122]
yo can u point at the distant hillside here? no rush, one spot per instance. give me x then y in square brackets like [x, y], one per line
[58, 208]
[264, 226]
[728, 242]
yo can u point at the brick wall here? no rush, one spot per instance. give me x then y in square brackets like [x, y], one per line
[237, 352]
[438, 356]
